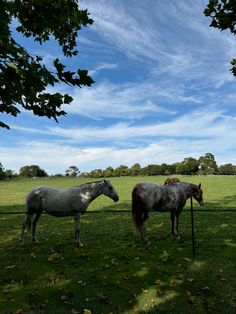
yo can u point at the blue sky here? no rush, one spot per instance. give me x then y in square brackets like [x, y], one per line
[163, 92]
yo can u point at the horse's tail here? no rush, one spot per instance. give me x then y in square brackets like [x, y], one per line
[33, 205]
[139, 212]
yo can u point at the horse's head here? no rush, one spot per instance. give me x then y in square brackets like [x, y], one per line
[109, 191]
[198, 195]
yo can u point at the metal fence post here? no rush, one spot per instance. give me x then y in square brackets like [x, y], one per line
[192, 222]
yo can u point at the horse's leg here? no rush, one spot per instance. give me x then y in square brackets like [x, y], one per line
[77, 229]
[144, 237]
[26, 223]
[172, 218]
[23, 227]
[143, 230]
[34, 224]
[176, 225]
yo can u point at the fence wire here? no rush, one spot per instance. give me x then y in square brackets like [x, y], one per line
[129, 211]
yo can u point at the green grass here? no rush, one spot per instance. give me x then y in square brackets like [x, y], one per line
[113, 272]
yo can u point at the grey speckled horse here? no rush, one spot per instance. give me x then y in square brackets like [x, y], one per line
[149, 196]
[72, 201]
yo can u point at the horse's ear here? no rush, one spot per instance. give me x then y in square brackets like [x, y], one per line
[199, 185]
[105, 181]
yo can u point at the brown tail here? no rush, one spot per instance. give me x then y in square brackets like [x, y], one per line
[137, 221]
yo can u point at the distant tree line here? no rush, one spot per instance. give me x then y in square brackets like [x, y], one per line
[205, 165]
[32, 171]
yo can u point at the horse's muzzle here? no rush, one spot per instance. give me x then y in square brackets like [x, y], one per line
[116, 199]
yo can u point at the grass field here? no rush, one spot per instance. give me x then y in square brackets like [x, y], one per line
[113, 272]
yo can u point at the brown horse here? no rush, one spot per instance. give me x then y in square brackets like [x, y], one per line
[149, 196]
[171, 181]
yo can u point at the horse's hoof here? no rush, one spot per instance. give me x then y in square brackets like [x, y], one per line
[145, 241]
[35, 241]
[79, 244]
[178, 238]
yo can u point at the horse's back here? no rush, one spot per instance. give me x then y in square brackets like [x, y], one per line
[36, 197]
[51, 199]
[145, 193]
[42, 191]
[155, 196]
[147, 186]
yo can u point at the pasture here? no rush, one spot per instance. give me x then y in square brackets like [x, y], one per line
[113, 272]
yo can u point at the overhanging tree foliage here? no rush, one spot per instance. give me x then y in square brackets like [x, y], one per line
[23, 77]
[223, 14]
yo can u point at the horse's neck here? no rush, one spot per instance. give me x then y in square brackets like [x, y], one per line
[92, 191]
[188, 190]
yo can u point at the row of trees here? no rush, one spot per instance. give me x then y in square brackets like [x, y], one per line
[205, 165]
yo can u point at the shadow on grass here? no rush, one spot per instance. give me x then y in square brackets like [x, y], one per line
[113, 272]
[223, 203]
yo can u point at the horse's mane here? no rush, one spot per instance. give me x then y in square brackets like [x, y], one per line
[185, 183]
[89, 183]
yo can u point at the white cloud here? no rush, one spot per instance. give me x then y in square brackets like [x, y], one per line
[56, 158]
[206, 123]
[132, 36]
[173, 39]
[193, 134]
[103, 66]
[126, 101]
